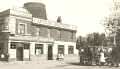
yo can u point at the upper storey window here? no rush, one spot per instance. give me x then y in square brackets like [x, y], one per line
[21, 29]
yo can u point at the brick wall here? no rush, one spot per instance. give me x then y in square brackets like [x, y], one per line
[44, 31]
[74, 36]
[68, 35]
[62, 35]
[55, 33]
[29, 28]
[33, 30]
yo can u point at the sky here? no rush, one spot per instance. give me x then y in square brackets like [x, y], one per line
[87, 15]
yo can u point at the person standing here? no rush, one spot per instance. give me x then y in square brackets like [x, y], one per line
[102, 57]
[115, 56]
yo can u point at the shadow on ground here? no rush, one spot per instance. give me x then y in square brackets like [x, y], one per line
[78, 64]
[74, 63]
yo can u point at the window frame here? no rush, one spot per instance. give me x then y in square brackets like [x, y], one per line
[20, 29]
[13, 45]
[70, 48]
[40, 47]
[62, 47]
[26, 46]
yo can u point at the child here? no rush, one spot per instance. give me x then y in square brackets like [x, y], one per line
[102, 57]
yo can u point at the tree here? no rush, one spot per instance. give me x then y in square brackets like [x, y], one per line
[81, 42]
[112, 22]
[96, 39]
[90, 39]
[93, 39]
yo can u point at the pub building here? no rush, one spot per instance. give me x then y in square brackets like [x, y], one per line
[26, 34]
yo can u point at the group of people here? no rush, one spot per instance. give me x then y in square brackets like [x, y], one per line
[112, 59]
[100, 57]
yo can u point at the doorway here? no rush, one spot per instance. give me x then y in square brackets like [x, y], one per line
[19, 54]
[50, 52]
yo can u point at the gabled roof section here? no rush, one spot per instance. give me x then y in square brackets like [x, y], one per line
[5, 12]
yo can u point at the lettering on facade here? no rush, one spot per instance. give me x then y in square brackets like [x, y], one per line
[54, 24]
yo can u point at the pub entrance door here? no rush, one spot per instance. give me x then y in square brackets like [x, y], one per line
[50, 52]
[19, 53]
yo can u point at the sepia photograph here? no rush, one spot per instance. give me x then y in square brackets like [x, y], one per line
[59, 34]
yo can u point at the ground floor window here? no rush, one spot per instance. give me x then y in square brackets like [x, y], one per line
[60, 49]
[38, 49]
[26, 45]
[13, 45]
[70, 49]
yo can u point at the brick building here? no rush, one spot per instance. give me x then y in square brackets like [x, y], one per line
[26, 34]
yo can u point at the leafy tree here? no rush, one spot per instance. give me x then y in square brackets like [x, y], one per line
[90, 39]
[112, 24]
[93, 39]
[96, 39]
[81, 42]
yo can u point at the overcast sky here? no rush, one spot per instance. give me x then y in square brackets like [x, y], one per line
[86, 14]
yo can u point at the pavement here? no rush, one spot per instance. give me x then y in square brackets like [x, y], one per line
[49, 64]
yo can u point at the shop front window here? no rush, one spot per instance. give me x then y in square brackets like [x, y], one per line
[13, 45]
[60, 49]
[26, 46]
[38, 49]
[70, 50]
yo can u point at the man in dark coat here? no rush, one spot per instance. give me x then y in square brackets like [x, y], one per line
[116, 55]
